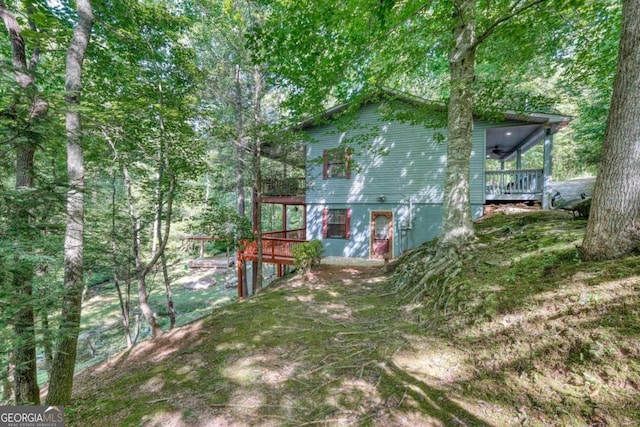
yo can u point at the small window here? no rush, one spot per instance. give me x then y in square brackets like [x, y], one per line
[337, 163]
[336, 223]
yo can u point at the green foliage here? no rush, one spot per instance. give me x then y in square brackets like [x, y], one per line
[222, 222]
[561, 58]
[587, 73]
[307, 254]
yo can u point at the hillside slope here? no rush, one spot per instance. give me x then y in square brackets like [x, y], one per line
[539, 338]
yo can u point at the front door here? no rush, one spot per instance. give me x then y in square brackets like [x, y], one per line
[381, 234]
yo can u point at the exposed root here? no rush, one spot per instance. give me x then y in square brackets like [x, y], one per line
[430, 275]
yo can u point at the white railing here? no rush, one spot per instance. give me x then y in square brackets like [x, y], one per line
[522, 181]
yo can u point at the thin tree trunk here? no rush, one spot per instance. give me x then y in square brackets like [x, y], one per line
[164, 170]
[613, 230]
[156, 219]
[124, 310]
[123, 298]
[141, 271]
[47, 343]
[239, 143]
[171, 310]
[147, 312]
[457, 227]
[257, 118]
[61, 382]
[240, 163]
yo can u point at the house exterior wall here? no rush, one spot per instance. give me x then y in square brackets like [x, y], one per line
[401, 162]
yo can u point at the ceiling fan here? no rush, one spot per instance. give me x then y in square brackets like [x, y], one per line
[497, 151]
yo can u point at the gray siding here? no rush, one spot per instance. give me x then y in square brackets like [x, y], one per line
[405, 163]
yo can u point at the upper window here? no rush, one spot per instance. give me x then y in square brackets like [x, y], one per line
[336, 163]
[336, 223]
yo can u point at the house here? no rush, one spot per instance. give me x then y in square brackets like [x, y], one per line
[374, 187]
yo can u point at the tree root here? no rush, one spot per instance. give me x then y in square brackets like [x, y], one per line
[430, 274]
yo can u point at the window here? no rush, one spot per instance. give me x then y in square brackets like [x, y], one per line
[336, 163]
[336, 223]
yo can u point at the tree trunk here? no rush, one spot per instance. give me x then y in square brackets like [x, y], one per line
[6, 374]
[47, 342]
[123, 298]
[141, 270]
[61, 382]
[25, 372]
[164, 169]
[457, 228]
[257, 184]
[171, 310]
[147, 312]
[613, 230]
[239, 145]
[124, 310]
[24, 350]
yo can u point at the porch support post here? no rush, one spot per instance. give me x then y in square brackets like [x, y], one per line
[284, 220]
[519, 159]
[304, 220]
[547, 167]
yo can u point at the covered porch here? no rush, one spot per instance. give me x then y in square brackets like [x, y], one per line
[514, 185]
[525, 179]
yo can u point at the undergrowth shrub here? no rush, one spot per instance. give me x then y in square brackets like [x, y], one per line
[307, 254]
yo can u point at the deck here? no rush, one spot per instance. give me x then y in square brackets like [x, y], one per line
[276, 247]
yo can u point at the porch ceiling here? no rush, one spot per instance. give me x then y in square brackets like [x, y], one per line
[504, 142]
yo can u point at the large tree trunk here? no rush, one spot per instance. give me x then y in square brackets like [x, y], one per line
[24, 349]
[25, 373]
[457, 228]
[614, 222]
[61, 382]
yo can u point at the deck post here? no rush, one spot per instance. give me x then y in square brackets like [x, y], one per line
[547, 169]
[240, 278]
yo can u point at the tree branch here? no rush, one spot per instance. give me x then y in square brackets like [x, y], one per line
[17, 47]
[514, 10]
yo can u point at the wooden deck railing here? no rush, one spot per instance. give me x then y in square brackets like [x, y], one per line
[513, 182]
[276, 247]
[283, 187]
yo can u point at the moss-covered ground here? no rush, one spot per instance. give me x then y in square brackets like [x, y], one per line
[539, 338]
